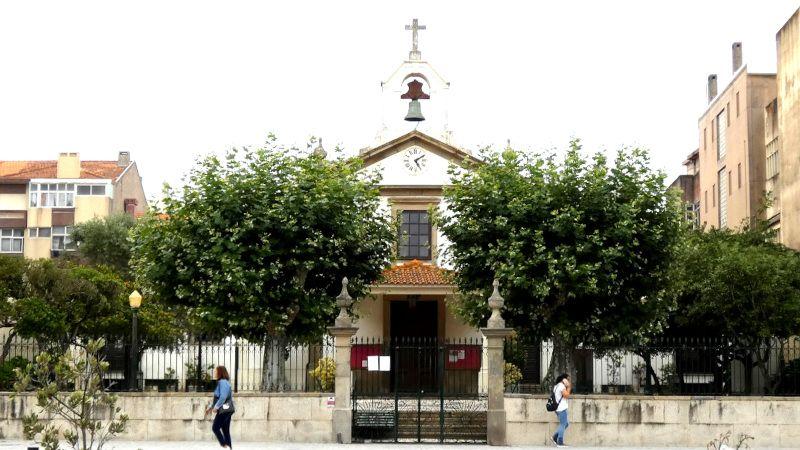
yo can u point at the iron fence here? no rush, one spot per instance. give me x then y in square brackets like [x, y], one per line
[273, 365]
[680, 366]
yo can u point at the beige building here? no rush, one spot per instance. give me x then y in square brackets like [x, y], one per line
[787, 142]
[749, 153]
[731, 149]
[688, 185]
[40, 201]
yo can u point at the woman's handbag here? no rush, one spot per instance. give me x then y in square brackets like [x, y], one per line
[227, 407]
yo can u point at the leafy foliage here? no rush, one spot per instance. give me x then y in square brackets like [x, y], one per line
[325, 373]
[581, 248]
[105, 241]
[256, 243]
[741, 287]
[511, 375]
[737, 285]
[7, 376]
[66, 304]
[70, 388]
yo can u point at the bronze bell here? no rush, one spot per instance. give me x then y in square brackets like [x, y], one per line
[414, 112]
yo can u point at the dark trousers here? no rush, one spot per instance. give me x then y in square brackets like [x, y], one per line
[222, 429]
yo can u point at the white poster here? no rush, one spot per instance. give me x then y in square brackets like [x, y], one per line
[385, 363]
[373, 363]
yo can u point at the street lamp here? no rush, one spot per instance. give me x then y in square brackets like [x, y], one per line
[135, 301]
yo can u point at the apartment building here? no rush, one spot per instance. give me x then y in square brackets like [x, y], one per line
[40, 201]
[732, 156]
[749, 152]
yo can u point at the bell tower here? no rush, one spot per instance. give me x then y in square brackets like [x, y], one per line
[415, 80]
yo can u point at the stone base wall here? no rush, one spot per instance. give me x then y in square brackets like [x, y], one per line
[296, 417]
[636, 421]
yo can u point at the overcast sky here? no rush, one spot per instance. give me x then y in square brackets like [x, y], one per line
[169, 81]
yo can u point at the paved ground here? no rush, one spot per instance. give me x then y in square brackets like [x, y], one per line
[20, 445]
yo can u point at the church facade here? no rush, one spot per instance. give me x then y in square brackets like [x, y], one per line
[412, 298]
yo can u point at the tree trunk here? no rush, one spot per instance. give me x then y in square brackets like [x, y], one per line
[7, 346]
[560, 362]
[748, 373]
[273, 364]
[650, 375]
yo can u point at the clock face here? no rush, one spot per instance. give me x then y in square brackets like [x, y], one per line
[415, 159]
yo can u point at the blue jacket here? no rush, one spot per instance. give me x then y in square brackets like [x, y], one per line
[222, 393]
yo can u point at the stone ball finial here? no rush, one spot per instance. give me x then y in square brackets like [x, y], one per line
[343, 301]
[496, 303]
[320, 151]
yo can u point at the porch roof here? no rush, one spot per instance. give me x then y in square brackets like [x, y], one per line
[417, 273]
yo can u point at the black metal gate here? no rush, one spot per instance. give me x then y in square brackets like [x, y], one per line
[418, 390]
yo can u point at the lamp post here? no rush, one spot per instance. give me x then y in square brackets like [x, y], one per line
[135, 301]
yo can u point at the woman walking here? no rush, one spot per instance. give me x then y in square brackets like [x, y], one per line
[562, 390]
[222, 407]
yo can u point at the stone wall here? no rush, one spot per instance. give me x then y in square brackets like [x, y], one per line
[601, 420]
[295, 417]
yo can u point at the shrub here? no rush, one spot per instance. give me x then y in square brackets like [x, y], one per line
[7, 376]
[511, 375]
[325, 373]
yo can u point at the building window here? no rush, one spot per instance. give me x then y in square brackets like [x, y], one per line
[730, 189]
[723, 199]
[415, 235]
[712, 130]
[705, 199]
[728, 114]
[713, 195]
[721, 141]
[773, 159]
[11, 240]
[48, 195]
[62, 239]
[39, 232]
[704, 139]
[737, 104]
[739, 176]
[94, 189]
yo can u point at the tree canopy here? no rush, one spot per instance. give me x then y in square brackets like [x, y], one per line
[106, 241]
[58, 303]
[737, 284]
[257, 243]
[742, 288]
[581, 247]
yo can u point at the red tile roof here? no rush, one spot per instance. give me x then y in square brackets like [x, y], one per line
[25, 170]
[417, 273]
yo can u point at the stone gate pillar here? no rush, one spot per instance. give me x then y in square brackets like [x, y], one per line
[342, 332]
[495, 334]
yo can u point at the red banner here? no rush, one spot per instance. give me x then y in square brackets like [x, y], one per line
[466, 357]
[360, 352]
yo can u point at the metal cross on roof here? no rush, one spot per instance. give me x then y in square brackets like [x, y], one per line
[414, 28]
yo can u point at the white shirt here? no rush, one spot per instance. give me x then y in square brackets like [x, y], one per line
[558, 390]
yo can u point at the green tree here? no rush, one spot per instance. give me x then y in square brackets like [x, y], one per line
[256, 243]
[581, 248]
[12, 275]
[740, 287]
[64, 304]
[105, 241]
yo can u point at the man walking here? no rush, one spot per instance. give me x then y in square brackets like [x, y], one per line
[561, 391]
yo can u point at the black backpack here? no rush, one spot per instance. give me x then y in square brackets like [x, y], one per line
[552, 404]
